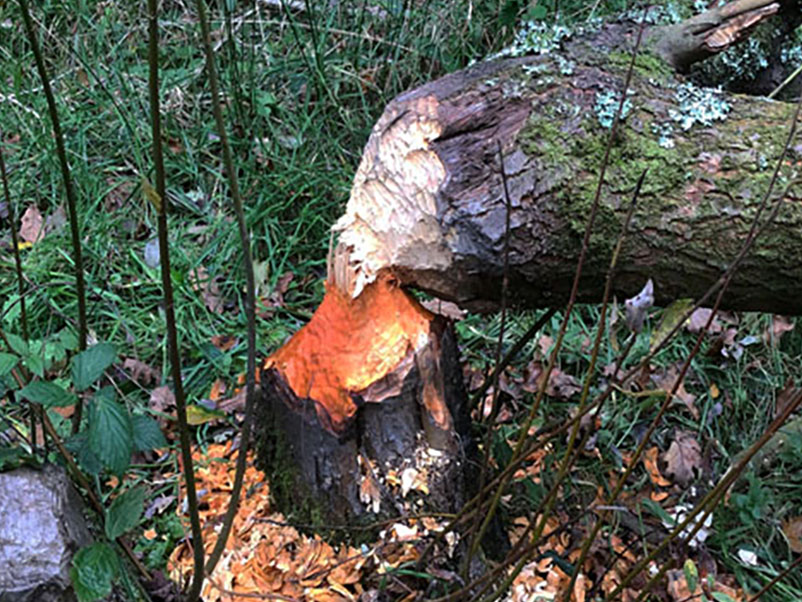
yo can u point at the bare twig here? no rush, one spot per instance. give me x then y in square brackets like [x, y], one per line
[250, 294]
[167, 284]
[68, 188]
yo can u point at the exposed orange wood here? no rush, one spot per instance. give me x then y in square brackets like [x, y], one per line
[350, 344]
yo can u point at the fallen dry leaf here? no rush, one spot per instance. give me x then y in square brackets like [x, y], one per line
[779, 326]
[224, 342]
[209, 290]
[793, 532]
[31, 229]
[664, 381]
[785, 397]
[683, 457]
[650, 462]
[141, 372]
[698, 320]
[162, 399]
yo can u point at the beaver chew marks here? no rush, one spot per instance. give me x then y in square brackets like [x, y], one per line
[350, 344]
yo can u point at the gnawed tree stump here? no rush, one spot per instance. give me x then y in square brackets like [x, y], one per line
[366, 412]
[374, 378]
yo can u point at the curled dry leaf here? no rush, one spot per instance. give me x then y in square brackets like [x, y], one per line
[638, 306]
[779, 326]
[683, 458]
[650, 462]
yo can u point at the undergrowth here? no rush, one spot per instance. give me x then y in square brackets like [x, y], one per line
[304, 88]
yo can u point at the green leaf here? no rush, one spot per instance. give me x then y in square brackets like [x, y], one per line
[93, 569]
[69, 339]
[691, 575]
[18, 345]
[8, 361]
[89, 365]
[147, 434]
[49, 394]
[124, 512]
[35, 364]
[197, 414]
[659, 512]
[110, 431]
[722, 597]
[78, 444]
[672, 315]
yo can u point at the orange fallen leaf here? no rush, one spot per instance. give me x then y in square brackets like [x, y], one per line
[650, 462]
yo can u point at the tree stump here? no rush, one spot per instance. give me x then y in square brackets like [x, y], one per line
[342, 453]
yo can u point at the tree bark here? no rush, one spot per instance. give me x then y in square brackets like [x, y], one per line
[428, 210]
[428, 204]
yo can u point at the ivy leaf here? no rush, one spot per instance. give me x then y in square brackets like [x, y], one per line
[147, 434]
[94, 567]
[110, 431]
[124, 512]
[89, 365]
[8, 361]
[49, 394]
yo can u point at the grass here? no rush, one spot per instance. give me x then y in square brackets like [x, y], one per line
[304, 88]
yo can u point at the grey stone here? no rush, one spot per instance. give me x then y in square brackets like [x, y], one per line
[41, 527]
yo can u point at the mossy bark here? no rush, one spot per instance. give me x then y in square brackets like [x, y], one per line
[709, 160]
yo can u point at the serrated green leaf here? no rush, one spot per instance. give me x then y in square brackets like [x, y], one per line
[691, 575]
[672, 315]
[35, 364]
[147, 434]
[94, 568]
[78, 444]
[89, 365]
[49, 394]
[18, 344]
[69, 339]
[722, 597]
[110, 431]
[124, 512]
[8, 361]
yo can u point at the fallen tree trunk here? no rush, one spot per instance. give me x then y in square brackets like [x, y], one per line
[427, 210]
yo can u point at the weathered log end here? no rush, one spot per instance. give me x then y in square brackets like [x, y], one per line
[371, 426]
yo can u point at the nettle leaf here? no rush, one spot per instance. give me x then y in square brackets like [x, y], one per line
[147, 434]
[89, 365]
[18, 344]
[111, 435]
[49, 394]
[35, 364]
[8, 361]
[93, 569]
[125, 512]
